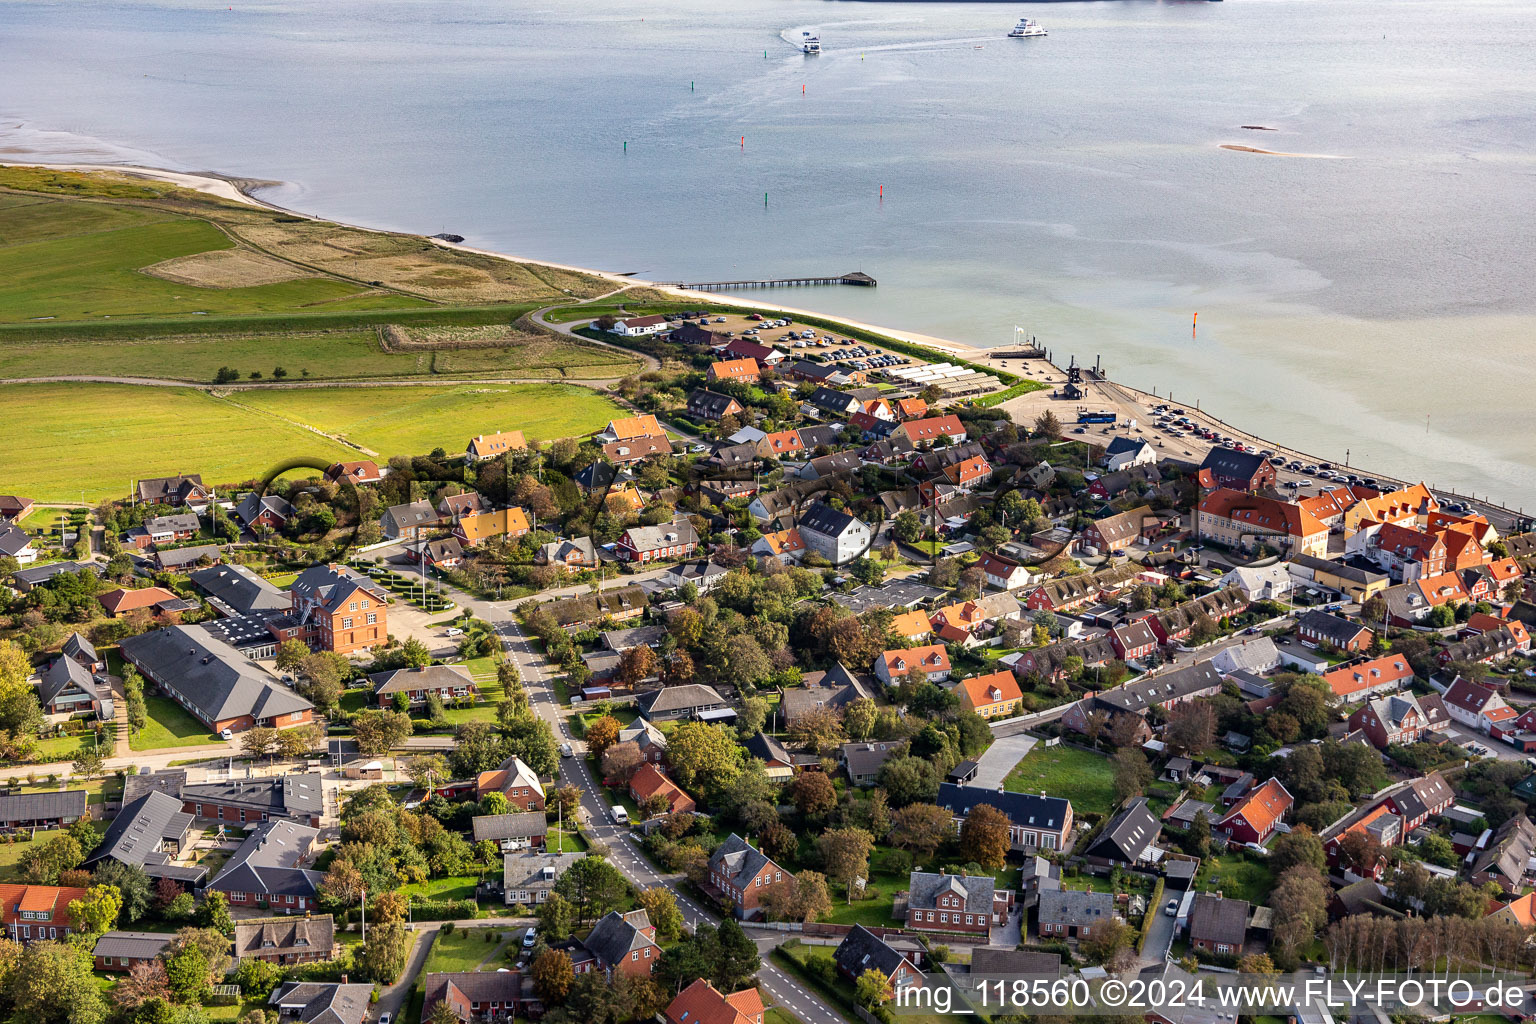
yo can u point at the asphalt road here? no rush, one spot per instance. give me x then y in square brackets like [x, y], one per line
[786, 990]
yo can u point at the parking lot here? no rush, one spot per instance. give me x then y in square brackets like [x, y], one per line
[801, 341]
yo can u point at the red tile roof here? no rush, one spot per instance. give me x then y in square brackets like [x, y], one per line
[1262, 807]
[979, 689]
[702, 1003]
[933, 658]
[1393, 668]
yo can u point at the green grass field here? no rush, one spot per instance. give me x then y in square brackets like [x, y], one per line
[464, 950]
[344, 355]
[73, 261]
[416, 420]
[1086, 779]
[98, 437]
[169, 726]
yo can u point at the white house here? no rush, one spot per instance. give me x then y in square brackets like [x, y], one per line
[836, 536]
[1262, 583]
[635, 326]
[1126, 452]
[1003, 573]
[1259, 655]
[1475, 706]
[16, 544]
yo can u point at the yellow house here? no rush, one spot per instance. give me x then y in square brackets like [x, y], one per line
[1408, 507]
[991, 696]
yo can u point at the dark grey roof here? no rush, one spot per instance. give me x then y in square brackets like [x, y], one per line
[167, 780]
[69, 805]
[1128, 834]
[135, 945]
[999, 960]
[835, 690]
[280, 796]
[617, 935]
[709, 404]
[826, 433]
[866, 756]
[826, 520]
[316, 1002]
[738, 860]
[1075, 907]
[1332, 628]
[1510, 851]
[597, 476]
[135, 835]
[432, 677]
[1343, 570]
[1218, 920]
[862, 950]
[648, 538]
[734, 455]
[535, 870]
[245, 632]
[268, 862]
[1159, 689]
[677, 698]
[442, 549]
[58, 677]
[220, 681]
[178, 557]
[176, 522]
[1124, 444]
[521, 825]
[1023, 809]
[80, 649]
[767, 748]
[169, 489]
[13, 539]
[32, 575]
[621, 640]
[925, 887]
[331, 586]
[240, 590]
[833, 400]
[411, 515]
[310, 934]
[1224, 462]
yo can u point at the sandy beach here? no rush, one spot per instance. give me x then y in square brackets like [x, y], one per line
[241, 190]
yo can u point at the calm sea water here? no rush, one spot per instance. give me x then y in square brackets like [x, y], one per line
[1375, 295]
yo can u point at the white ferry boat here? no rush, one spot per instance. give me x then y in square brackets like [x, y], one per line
[1026, 29]
[810, 43]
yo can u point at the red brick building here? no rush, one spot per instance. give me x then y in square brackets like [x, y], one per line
[33, 912]
[741, 873]
[966, 904]
[337, 609]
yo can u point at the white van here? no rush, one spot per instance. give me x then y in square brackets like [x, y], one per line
[619, 815]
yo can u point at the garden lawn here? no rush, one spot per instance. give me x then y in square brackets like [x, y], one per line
[888, 875]
[53, 452]
[1239, 878]
[1086, 778]
[565, 841]
[63, 748]
[464, 950]
[170, 726]
[454, 887]
[417, 420]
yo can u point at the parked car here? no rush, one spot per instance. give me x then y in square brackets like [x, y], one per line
[566, 750]
[1172, 908]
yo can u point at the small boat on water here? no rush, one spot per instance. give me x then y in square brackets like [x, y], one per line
[810, 42]
[1026, 29]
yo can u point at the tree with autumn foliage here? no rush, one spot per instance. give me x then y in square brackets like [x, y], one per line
[984, 837]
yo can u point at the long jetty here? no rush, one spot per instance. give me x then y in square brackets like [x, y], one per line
[857, 278]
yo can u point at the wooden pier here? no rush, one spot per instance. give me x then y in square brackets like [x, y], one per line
[857, 278]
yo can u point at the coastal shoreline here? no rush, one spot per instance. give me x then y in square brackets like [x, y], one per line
[243, 190]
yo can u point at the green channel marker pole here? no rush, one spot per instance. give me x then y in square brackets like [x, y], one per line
[626, 147]
[765, 198]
